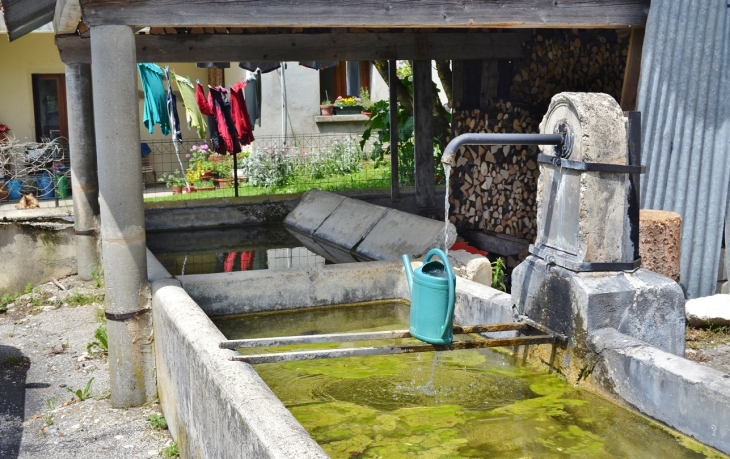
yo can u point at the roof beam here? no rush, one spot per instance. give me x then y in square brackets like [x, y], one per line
[305, 46]
[67, 17]
[377, 13]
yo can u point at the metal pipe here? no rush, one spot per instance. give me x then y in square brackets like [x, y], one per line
[365, 336]
[383, 350]
[84, 182]
[497, 139]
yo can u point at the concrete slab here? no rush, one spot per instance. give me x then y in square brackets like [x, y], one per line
[312, 210]
[685, 395]
[708, 311]
[312, 245]
[398, 232]
[349, 223]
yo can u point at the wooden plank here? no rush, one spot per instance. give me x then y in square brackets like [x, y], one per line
[304, 46]
[355, 13]
[423, 134]
[393, 115]
[383, 350]
[67, 16]
[24, 16]
[632, 71]
[365, 336]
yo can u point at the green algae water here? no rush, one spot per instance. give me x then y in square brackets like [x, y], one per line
[458, 404]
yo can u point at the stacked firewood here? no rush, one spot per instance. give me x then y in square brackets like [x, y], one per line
[494, 188]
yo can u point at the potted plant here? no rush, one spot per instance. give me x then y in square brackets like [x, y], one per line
[326, 108]
[174, 180]
[222, 171]
[348, 105]
[367, 103]
[204, 185]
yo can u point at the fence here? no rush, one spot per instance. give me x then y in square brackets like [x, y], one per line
[38, 169]
[270, 165]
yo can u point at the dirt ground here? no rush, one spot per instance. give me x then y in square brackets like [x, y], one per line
[46, 352]
[709, 346]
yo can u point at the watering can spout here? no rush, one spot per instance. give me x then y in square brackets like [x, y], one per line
[409, 271]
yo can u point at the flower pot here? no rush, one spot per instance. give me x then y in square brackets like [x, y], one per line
[177, 189]
[188, 189]
[366, 113]
[223, 183]
[215, 158]
[326, 110]
[207, 175]
[350, 110]
[204, 188]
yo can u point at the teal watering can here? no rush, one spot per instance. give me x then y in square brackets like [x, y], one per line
[432, 299]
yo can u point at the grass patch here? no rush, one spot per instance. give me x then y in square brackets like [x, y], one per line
[78, 299]
[82, 394]
[157, 421]
[171, 451]
[6, 299]
[15, 362]
[366, 179]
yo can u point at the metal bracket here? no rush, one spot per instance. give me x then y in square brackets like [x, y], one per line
[589, 167]
[125, 315]
[552, 258]
[90, 232]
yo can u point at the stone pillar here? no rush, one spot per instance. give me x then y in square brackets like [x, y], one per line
[423, 132]
[116, 116]
[85, 186]
[581, 273]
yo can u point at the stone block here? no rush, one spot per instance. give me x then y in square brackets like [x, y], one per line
[708, 311]
[660, 237]
[476, 268]
[312, 210]
[398, 233]
[641, 304]
[349, 223]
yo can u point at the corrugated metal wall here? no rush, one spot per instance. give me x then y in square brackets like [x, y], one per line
[684, 97]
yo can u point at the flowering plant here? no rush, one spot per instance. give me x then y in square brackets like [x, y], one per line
[198, 155]
[349, 101]
[173, 179]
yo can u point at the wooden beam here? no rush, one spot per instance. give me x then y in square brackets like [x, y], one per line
[307, 46]
[359, 14]
[632, 71]
[24, 16]
[393, 119]
[423, 134]
[67, 17]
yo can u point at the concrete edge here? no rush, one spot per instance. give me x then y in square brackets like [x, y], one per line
[478, 304]
[670, 389]
[216, 407]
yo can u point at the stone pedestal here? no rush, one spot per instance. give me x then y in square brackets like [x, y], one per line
[660, 236]
[641, 304]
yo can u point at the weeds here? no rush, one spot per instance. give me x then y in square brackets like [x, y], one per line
[82, 394]
[157, 422]
[51, 405]
[28, 288]
[15, 361]
[97, 276]
[170, 451]
[78, 299]
[101, 344]
[6, 299]
[499, 271]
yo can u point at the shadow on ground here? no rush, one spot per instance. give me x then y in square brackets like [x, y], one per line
[13, 370]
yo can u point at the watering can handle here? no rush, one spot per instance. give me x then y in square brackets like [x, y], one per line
[451, 279]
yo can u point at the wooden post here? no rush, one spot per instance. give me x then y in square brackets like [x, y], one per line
[423, 127]
[393, 92]
[632, 71]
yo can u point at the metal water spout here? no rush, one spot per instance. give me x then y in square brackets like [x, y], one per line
[449, 155]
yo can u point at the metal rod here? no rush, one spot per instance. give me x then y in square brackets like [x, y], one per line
[393, 119]
[365, 336]
[497, 139]
[383, 350]
[543, 328]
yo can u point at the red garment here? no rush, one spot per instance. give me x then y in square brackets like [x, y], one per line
[228, 263]
[468, 248]
[247, 260]
[214, 106]
[239, 112]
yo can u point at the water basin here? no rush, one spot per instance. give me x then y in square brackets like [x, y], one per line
[459, 404]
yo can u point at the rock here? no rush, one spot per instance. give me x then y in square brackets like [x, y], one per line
[475, 268]
[710, 310]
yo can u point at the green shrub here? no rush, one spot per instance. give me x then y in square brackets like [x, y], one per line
[268, 167]
[341, 158]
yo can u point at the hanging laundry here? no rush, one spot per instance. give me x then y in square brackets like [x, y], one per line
[319, 65]
[155, 101]
[264, 67]
[240, 115]
[193, 116]
[252, 94]
[172, 109]
[225, 136]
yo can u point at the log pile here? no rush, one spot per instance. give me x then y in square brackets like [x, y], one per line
[494, 188]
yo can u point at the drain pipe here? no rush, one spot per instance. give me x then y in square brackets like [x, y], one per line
[449, 155]
[84, 181]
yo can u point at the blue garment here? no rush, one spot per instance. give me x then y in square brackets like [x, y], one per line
[155, 99]
[172, 108]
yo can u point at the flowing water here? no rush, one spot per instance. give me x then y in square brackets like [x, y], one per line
[457, 404]
[447, 173]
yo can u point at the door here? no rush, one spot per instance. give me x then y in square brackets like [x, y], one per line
[49, 102]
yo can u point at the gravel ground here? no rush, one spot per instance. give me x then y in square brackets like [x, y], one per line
[709, 346]
[44, 339]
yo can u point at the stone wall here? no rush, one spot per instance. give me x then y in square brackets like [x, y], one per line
[660, 237]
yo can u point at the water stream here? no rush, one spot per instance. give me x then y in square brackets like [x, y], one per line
[447, 174]
[457, 404]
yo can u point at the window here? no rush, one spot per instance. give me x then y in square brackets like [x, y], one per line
[49, 103]
[344, 79]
